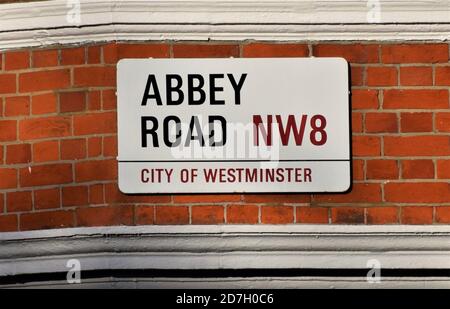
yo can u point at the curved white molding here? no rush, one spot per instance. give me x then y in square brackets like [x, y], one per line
[45, 23]
[226, 246]
[218, 247]
[306, 282]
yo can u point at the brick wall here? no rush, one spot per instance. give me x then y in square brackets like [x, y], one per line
[58, 140]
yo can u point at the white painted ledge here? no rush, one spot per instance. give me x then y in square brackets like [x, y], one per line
[226, 247]
[247, 283]
[219, 247]
[45, 23]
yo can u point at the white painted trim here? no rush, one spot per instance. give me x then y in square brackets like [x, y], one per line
[248, 282]
[226, 247]
[44, 23]
[306, 229]
[231, 247]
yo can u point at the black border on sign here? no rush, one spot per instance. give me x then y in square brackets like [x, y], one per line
[349, 189]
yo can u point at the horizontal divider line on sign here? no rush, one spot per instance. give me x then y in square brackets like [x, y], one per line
[180, 161]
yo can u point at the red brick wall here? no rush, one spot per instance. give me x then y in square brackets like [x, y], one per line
[58, 140]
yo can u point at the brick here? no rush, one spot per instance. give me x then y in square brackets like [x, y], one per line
[114, 52]
[416, 76]
[8, 223]
[381, 123]
[110, 146]
[43, 104]
[172, 215]
[358, 169]
[94, 54]
[357, 76]
[46, 220]
[145, 215]
[1, 154]
[96, 170]
[431, 145]
[416, 192]
[8, 178]
[19, 201]
[95, 76]
[8, 130]
[206, 198]
[366, 146]
[7, 83]
[417, 215]
[51, 174]
[347, 215]
[442, 214]
[415, 169]
[17, 106]
[45, 58]
[105, 216]
[46, 151]
[73, 149]
[17, 60]
[382, 215]
[360, 193]
[73, 56]
[44, 80]
[443, 122]
[277, 198]
[244, 214]
[143, 50]
[113, 195]
[75, 196]
[277, 214]
[205, 51]
[47, 198]
[312, 215]
[414, 53]
[364, 99]
[109, 100]
[96, 194]
[275, 50]
[94, 102]
[420, 98]
[74, 101]
[97, 123]
[382, 76]
[19, 153]
[354, 53]
[382, 169]
[207, 215]
[416, 122]
[442, 76]
[357, 122]
[443, 169]
[56, 126]
[94, 146]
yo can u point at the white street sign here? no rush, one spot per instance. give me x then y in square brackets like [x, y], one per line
[233, 125]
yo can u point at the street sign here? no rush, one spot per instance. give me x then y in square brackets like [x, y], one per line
[233, 125]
